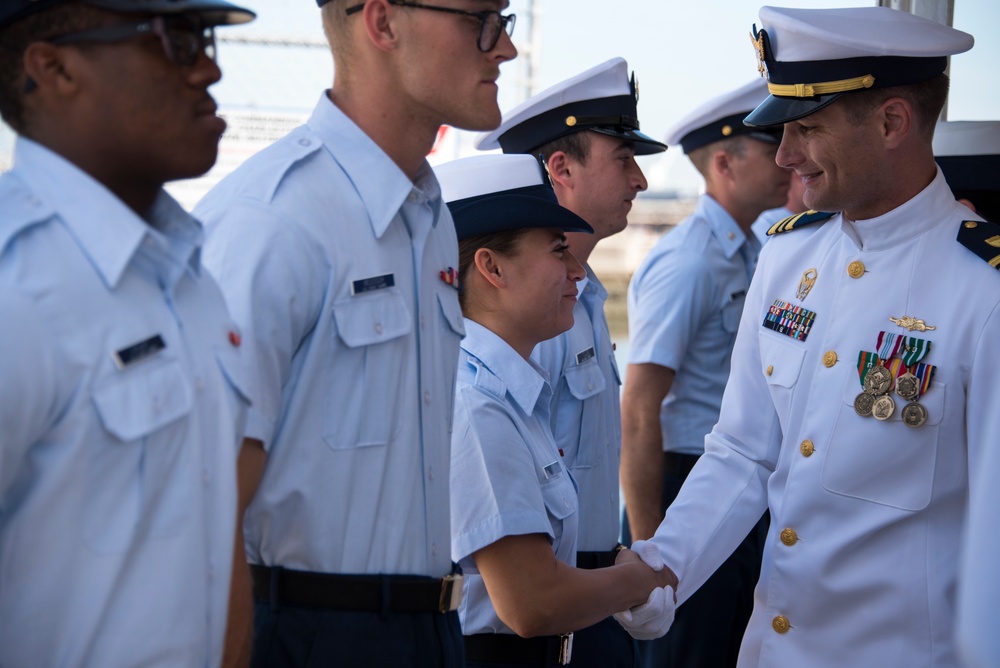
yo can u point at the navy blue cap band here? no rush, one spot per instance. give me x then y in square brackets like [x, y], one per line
[724, 128]
[519, 208]
[615, 116]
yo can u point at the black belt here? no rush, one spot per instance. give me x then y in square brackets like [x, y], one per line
[357, 593]
[505, 648]
[594, 560]
[678, 464]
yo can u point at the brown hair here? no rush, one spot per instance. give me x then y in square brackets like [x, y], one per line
[504, 243]
[926, 97]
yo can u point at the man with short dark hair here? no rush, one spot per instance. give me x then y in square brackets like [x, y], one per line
[862, 393]
[122, 402]
[339, 259]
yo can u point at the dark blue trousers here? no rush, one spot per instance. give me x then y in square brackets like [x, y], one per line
[708, 628]
[604, 645]
[293, 637]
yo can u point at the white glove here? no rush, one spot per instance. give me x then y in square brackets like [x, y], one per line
[653, 618]
[649, 554]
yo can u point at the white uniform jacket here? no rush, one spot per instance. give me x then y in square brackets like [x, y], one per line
[866, 515]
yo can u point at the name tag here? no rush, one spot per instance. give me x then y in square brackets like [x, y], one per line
[585, 355]
[139, 351]
[552, 470]
[372, 284]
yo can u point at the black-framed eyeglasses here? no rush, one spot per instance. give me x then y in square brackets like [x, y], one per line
[183, 37]
[491, 24]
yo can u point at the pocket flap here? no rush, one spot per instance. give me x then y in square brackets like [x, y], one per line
[585, 380]
[142, 400]
[780, 362]
[451, 310]
[372, 318]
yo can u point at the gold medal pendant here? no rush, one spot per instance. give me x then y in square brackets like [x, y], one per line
[914, 415]
[878, 380]
[883, 407]
[863, 404]
[908, 386]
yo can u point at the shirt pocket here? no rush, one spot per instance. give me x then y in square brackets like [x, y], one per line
[732, 312]
[585, 381]
[451, 313]
[561, 504]
[237, 398]
[780, 364]
[143, 474]
[366, 397]
[885, 462]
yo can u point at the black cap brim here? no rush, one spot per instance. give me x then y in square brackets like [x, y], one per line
[513, 210]
[644, 144]
[215, 12]
[778, 110]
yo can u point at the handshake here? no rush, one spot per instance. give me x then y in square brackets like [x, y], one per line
[653, 618]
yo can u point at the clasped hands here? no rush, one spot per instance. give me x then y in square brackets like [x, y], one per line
[653, 618]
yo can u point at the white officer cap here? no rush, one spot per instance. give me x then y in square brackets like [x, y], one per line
[722, 117]
[602, 99]
[969, 154]
[495, 193]
[813, 56]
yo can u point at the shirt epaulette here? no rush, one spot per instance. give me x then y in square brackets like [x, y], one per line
[799, 220]
[487, 381]
[982, 238]
[18, 209]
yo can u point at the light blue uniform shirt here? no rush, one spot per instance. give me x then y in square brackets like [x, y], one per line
[117, 485]
[684, 307]
[506, 475]
[330, 258]
[586, 413]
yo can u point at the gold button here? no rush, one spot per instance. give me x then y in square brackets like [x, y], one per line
[829, 358]
[856, 269]
[780, 624]
[727, 130]
[807, 448]
[789, 537]
[770, 369]
[570, 121]
[971, 224]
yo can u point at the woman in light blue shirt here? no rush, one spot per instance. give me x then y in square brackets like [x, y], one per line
[514, 503]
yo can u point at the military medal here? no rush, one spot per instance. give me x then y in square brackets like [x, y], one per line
[883, 407]
[908, 386]
[914, 415]
[863, 404]
[878, 380]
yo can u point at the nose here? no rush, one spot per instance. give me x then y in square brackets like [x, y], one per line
[205, 71]
[638, 179]
[504, 49]
[574, 270]
[788, 154]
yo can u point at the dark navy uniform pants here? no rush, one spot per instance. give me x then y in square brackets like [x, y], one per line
[294, 637]
[708, 628]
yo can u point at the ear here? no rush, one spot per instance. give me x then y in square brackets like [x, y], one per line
[51, 68]
[379, 22]
[897, 121]
[720, 164]
[487, 264]
[561, 170]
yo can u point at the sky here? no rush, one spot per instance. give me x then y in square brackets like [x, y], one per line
[683, 52]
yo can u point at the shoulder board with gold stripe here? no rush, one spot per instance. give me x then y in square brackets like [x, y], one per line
[799, 220]
[981, 238]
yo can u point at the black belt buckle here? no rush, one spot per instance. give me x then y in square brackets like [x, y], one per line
[565, 648]
[451, 593]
